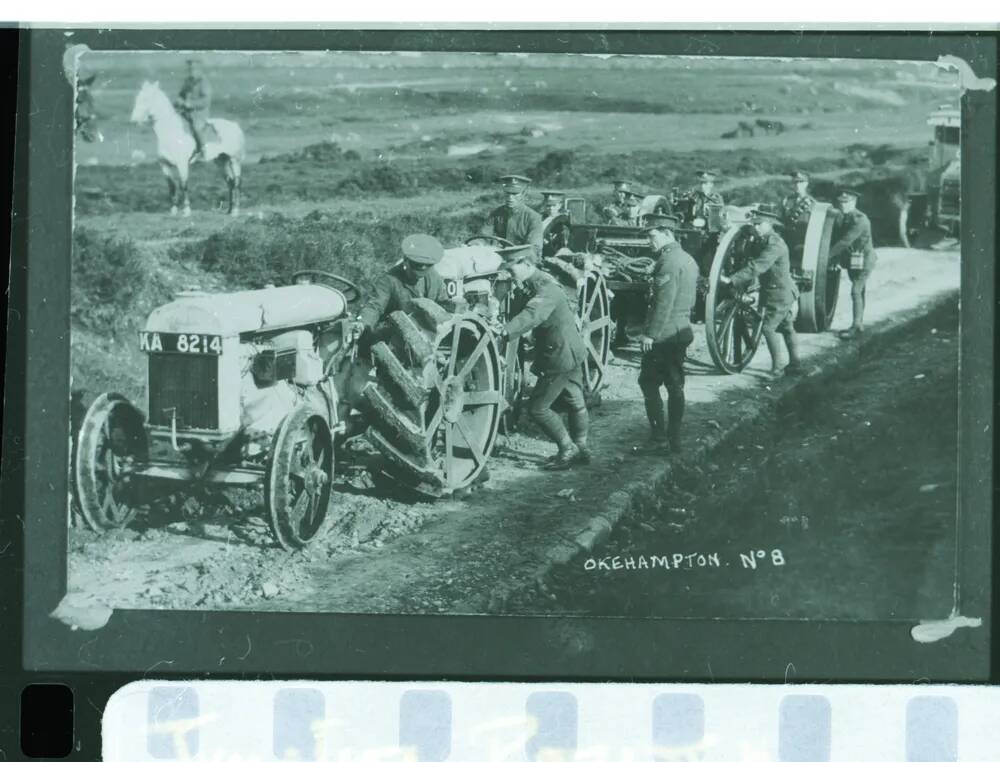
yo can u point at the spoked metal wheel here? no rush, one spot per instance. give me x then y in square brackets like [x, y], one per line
[555, 235]
[818, 303]
[734, 320]
[594, 314]
[299, 478]
[111, 443]
[436, 403]
[515, 382]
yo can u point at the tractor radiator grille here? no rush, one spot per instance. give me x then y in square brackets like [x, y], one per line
[187, 384]
[951, 200]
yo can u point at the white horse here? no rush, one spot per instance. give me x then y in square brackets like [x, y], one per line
[175, 146]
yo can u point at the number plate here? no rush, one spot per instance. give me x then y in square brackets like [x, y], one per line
[183, 343]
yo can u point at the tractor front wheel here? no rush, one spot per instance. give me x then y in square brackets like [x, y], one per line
[111, 443]
[299, 478]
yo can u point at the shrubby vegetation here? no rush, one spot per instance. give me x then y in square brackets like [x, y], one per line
[323, 172]
[358, 247]
[115, 284]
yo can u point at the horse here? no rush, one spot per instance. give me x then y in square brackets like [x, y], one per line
[84, 114]
[175, 146]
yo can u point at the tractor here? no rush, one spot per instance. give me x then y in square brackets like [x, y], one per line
[255, 387]
[934, 203]
[260, 387]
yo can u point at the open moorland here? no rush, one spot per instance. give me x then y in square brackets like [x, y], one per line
[349, 152]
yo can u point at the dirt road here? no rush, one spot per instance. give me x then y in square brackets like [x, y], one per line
[843, 507]
[459, 556]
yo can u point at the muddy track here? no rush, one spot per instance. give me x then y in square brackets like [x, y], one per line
[386, 552]
[843, 506]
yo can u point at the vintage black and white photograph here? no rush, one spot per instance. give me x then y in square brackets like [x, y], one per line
[515, 333]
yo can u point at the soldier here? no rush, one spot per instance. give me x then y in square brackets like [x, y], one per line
[405, 281]
[632, 202]
[666, 335]
[705, 194]
[778, 294]
[558, 359]
[616, 213]
[552, 204]
[852, 249]
[795, 211]
[514, 221]
[193, 103]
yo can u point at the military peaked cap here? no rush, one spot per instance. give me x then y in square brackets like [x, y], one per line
[514, 254]
[515, 183]
[547, 194]
[622, 185]
[765, 212]
[845, 193]
[661, 222]
[422, 249]
[798, 176]
[704, 174]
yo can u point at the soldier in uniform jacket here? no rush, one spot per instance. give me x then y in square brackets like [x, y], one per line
[515, 221]
[796, 209]
[558, 359]
[194, 101]
[704, 195]
[552, 204]
[412, 278]
[778, 294]
[617, 212]
[852, 249]
[666, 335]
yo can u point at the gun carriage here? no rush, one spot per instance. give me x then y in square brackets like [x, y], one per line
[720, 246]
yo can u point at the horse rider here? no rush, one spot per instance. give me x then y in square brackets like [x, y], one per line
[796, 209]
[552, 204]
[559, 354]
[770, 265]
[616, 213]
[704, 195]
[193, 103]
[514, 220]
[852, 249]
[666, 335]
[412, 278]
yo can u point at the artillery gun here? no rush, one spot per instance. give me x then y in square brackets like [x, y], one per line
[254, 388]
[935, 201]
[733, 320]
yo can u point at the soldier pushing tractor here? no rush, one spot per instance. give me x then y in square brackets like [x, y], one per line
[263, 387]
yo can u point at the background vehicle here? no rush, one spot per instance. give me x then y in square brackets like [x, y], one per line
[934, 204]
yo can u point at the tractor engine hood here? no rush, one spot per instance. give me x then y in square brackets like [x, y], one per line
[263, 310]
[461, 262]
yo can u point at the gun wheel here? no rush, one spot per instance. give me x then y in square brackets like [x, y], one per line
[111, 442]
[299, 478]
[594, 313]
[440, 443]
[818, 303]
[734, 320]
